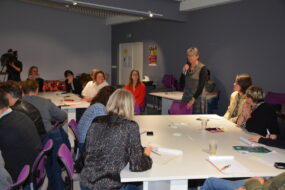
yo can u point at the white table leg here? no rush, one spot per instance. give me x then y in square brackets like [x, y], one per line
[165, 106]
[166, 185]
[179, 184]
[71, 114]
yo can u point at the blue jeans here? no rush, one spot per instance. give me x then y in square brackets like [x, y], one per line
[126, 187]
[81, 146]
[221, 184]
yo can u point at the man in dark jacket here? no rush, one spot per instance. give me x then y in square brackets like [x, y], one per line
[14, 95]
[19, 140]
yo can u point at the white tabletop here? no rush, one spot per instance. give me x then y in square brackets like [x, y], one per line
[194, 142]
[175, 95]
[65, 100]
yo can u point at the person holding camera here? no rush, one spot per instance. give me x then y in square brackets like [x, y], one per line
[13, 65]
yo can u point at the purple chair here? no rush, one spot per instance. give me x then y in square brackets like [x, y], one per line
[179, 108]
[38, 172]
[137, 109]
[168, 81]
[23, 176]
[73, 126]
[65, 157]
[275, 98]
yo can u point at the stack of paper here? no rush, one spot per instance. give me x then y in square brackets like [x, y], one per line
[163, 155]
[227, 165]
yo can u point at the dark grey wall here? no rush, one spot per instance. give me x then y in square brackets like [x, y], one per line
[243, 37]
[54, 39]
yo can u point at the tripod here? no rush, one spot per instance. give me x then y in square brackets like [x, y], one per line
[3, 73]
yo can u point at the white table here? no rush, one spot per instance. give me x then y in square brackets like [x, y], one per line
[167, 98]
[194, 143]
[69, 106]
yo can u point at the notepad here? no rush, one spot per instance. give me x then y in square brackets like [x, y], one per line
[235, 167]
[164, 155]
[251, 149]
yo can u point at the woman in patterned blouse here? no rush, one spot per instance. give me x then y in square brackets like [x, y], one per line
[111, 143]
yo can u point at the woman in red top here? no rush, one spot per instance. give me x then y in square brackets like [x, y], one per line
[136, 87]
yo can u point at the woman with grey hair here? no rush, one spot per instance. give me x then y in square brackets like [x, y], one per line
[195, 78]
[258, 117]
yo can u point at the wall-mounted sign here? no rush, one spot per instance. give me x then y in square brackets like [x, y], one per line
[152, 57]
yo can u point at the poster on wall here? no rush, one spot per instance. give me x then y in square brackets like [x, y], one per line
[127, 59]
[152, 57]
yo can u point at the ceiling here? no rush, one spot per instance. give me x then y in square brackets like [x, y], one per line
[121, 11]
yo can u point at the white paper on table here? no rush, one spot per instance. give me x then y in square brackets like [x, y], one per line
[164, 155]
[247, 142]
[235, 167]
[177, 124]
[270, 158]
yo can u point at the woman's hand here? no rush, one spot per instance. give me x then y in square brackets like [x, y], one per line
[271, 136]
[88, 99]
[147, 151]
[246, 110]
[185, 68]
[254, 138]
[260, 179]
[15, 67]
[70, 80]
[190, 103]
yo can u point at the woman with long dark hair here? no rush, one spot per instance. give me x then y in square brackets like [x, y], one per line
[136, 87]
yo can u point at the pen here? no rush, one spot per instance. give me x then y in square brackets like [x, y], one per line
[225, 167]
[156, 153]
[214, 165]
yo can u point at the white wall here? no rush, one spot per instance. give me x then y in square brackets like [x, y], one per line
[54, 39]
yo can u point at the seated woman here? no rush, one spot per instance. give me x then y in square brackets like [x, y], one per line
[97, 108]
[242, 82]
[111, 143]
[72, 84]
[257, 116]
[252, 183]
[92, 87]
[136, 87]
[33, 74]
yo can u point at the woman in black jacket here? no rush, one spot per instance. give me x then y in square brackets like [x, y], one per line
[72, 84]
[257, 116]
[111, 143]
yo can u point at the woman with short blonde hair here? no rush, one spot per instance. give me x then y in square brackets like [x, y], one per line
[111, 143]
